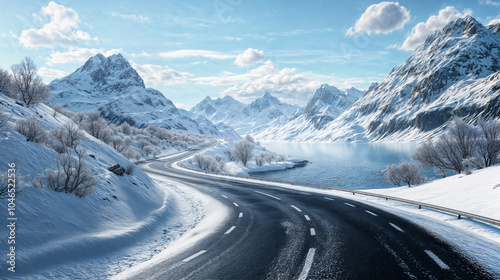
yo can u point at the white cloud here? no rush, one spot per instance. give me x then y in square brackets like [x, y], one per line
[384, 17]
[249, 57]
[285, 83]
[51, 73]
[59, 31]
[420, 32]
[494, 21]
[490, 3]
[156, 74]
[76, 55]
[139, 18]
[195, 53]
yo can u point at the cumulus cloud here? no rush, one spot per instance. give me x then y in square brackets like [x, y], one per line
[422, 30]
[77, 55]
[490, 3]
[494, 21]
[156, 74]
[285, 83]
[51, 73]
[195, 53]
[60, 30]
[139, 18]
[249, 57]
[384, 17]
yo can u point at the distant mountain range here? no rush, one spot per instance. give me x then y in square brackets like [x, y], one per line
[454, 72]
[113, 87]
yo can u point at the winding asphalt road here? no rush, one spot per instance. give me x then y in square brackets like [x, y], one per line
[278, 233]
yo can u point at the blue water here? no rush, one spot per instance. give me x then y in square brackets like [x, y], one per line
[343, 165]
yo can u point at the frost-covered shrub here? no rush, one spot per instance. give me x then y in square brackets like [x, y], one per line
[406, 172]
[263, 158]
[32, 129]
[280, 158]
[129, 169]
[4, 119]
[67, 136]
[71, 175]
[242, 151]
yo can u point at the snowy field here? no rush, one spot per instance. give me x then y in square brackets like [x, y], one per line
[477, 193]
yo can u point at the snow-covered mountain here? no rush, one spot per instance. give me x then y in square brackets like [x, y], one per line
[455, 72]
[326, 104]
[113, 87]
[264, 112]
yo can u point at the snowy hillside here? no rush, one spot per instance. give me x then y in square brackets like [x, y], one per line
[113, 87]
[455, 72]
[120, 208]
[326, 104]
[264, 112]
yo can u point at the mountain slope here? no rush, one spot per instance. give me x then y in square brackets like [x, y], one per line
[326, 104]
[455, 72]
[113, 87]
[253, 118]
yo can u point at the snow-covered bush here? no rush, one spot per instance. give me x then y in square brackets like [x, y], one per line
[406, 172]
[67, 136]
[71, 176]
[263, 158]
[32, 129]
[6, 83]
[280, 158]
[4, 118]
[208, 163]
[125, 128]
[129, 169]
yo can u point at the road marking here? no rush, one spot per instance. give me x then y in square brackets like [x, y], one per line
[348, 204]
[296, 208]
[437, 260]
[308, 264]
[305, 193]
[229, 230]
[371, 213]
[329, 198]
[396, 227]
[241, 215]
[307, 217]
[235, 204]
[224, 196]
[313, 231]
[194, 256]
[266, 194]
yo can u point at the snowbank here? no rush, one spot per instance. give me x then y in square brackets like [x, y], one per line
[61, 236]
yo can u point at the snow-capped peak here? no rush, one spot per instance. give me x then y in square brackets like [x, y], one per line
[266, 101]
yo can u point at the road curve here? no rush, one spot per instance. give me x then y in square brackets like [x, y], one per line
[277, 233]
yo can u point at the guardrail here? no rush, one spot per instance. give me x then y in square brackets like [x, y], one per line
[459, 214]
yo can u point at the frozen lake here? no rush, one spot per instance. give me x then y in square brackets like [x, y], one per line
[343, 165]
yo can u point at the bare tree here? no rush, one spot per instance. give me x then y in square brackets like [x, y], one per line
[31, 128]
[488, 146]
[406, 172]
[465, 137]
[27, 85]
[71, 176]
[243, 151]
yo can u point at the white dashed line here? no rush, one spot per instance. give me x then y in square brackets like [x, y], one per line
[348, 204]
[308, 264]
[437, 260]
[307, 217]
[329, 198]
[396, 227]
[229, 230]
[313, 231]
[241, 215]
[236, 204]
[371, 213]
[296, 208]
[266, 194]
[194, 256]
[305, 193]
[224, 196]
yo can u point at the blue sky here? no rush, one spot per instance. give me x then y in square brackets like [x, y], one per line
[241, 48]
